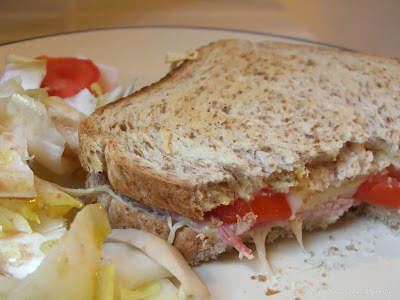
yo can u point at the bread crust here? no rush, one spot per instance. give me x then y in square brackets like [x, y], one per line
[187, 241]
[149, 188]
[155, 171]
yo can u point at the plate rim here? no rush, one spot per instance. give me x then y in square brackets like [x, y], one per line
[185, 27]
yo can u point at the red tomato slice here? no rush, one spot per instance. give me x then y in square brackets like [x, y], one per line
[380, 189]
[267, 205]
[67, 76]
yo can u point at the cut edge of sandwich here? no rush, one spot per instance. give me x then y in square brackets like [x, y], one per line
[199, 242]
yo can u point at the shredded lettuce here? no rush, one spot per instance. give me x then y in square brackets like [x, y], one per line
[81, 266]
[17, 138]
[50, 202]
[130, 89]
[66, 120]
[84, 102]
[36, 127]
[37, 94]
[51, 129]
[31, 71]
[109, 78]
[27, 208]
[96, 89]
[116, 94]
[56, 203]
[15, 175]
[48, 226]
[13, 222]
[109, 97]
[10, 86]
[44, 141]
[22, 253]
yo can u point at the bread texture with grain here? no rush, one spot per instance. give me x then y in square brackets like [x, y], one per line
[244, 116]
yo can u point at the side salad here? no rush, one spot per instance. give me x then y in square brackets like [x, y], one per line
[51, 245]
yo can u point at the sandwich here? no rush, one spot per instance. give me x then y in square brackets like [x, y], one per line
[247, 142]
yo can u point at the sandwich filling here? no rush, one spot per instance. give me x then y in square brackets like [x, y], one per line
[252, 220]
[269, 208]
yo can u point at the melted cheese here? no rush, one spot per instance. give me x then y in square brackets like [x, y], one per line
[176, 57]
[98, 189]
[393, 158]
[259, 237]
[173, 229]
[297, 228]
[301, 200]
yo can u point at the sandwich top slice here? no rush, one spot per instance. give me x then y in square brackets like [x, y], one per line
[249, 138]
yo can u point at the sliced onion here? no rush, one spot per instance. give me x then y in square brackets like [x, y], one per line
[7, 284]
[132, 266]
[166, 255]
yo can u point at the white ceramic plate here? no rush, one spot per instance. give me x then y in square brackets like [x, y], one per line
[356, 258]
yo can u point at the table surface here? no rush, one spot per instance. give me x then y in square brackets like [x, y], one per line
[23, 19]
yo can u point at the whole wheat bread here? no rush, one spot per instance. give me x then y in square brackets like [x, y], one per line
[247, 115]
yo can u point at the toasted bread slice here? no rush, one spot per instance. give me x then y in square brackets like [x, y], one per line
[245, 116]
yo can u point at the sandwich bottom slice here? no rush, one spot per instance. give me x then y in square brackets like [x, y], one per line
[204, 240]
